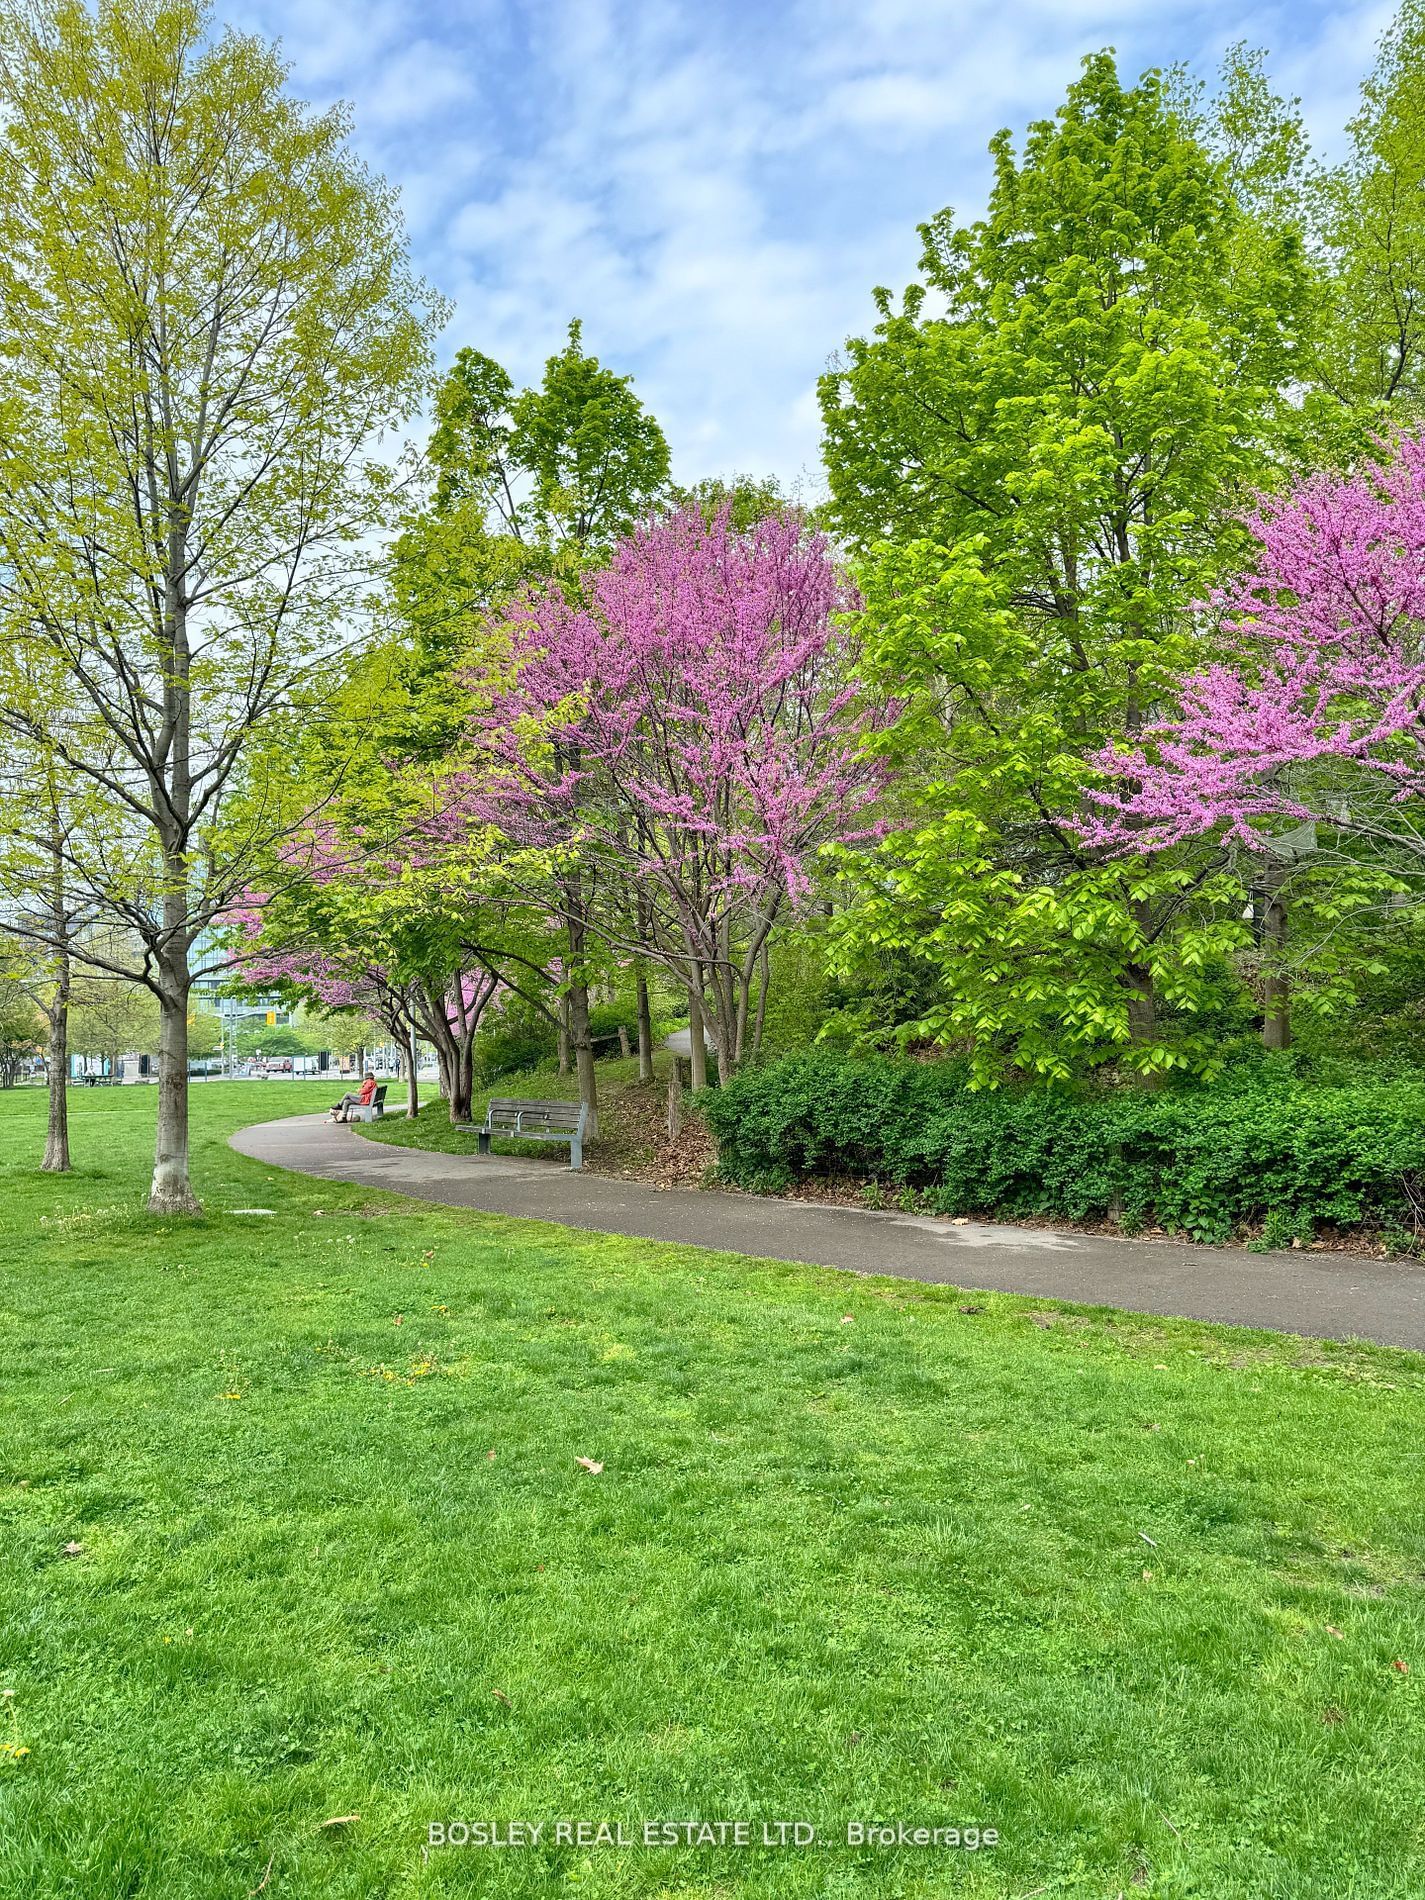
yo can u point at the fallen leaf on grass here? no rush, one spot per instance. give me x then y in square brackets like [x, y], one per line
[500, 1696]
[1331, 1630]
[73, 1550]
[590, 1465]
[340, 1820]
[1400, 1668]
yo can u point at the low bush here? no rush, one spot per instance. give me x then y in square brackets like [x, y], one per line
[1204, 1162]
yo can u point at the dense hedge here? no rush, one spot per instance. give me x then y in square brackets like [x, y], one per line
[1203, 1161]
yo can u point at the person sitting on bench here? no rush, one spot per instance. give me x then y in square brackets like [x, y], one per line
[341, 1110]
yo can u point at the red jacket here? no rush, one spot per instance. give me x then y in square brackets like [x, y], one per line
[368, 1092]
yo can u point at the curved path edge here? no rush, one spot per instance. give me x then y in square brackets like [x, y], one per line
[1322, 1295]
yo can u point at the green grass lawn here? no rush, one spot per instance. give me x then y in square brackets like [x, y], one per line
[860, 1551]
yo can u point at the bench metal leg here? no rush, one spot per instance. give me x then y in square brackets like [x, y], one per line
[484, 1140]
[576, 1152]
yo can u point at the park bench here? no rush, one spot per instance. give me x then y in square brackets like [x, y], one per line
[374, 1109]
[536, 1121]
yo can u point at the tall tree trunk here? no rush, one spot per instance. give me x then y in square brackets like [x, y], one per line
[645, 1030]
[723, 1017]
[172, 1190]
[584, 1054]
[1143, 1014]
[764, 973]
[577, 931]
[1142, 1001]
[56, 1159]
[1276, 996]
[564, 1035]
[462, 1083]
[455, 1058]
[413, 1062]
[696, 1043]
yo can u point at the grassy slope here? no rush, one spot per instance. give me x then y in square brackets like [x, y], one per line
[855, 1553]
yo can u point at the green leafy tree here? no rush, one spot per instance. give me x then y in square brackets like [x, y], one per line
[1370, 214]
[527, 484]
[206, 321]
[571, 464]
[530, 485]
[22, 1028]
[111, 1018]
[1036, 457]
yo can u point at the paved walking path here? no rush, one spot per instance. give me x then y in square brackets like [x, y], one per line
[1324, 1295]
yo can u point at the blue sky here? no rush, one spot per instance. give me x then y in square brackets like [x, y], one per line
[715, 186]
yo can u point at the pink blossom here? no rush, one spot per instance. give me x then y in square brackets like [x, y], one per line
[699, 712]
[1327, 681]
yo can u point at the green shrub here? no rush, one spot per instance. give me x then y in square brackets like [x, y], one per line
[1203, 1161]
[514, 1041]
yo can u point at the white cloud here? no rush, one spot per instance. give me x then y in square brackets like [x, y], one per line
[715, 189]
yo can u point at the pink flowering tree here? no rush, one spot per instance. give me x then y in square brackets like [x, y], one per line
[384, 939]
[410, 1008]
[1320, 712]
[683, 742]
[1316, 719]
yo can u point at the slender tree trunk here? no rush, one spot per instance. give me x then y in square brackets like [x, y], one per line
[624, 1047]
[172, 1191]
[579, 1006]
[564, 1035]
[584, 1054]
[724, 1018]
[455, 1057]
[696, 1044]
[413, 1094]
[462, 1084]
[1142, 1001]
[1276, 998]
[764, 972]
[645, 1030]
[1143, 1014]
[56, 1159]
